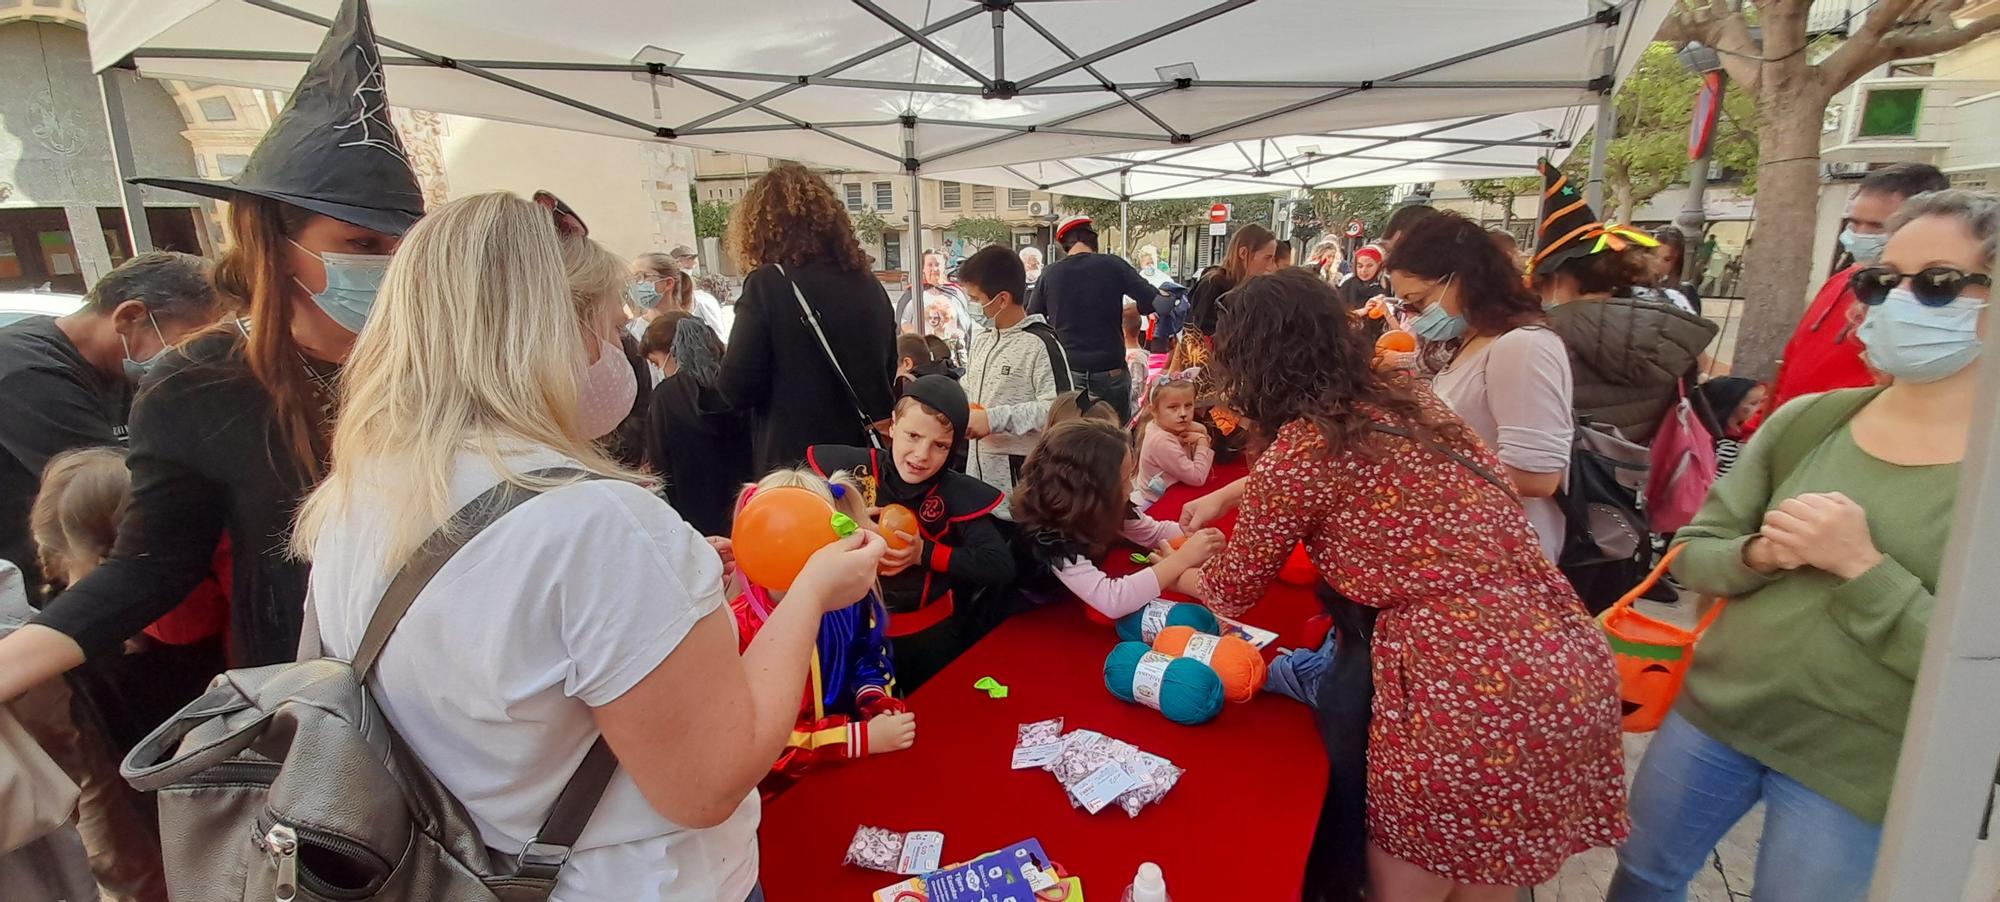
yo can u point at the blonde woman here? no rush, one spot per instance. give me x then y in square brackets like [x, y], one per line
[593, 609]
[658, 280]
[597, 280]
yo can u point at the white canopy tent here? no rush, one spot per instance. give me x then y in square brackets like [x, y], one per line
[958, 85]
[1468, 147]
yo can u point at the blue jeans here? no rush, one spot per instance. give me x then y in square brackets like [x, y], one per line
[1691, 789]
[1113, 386]
[756, 894]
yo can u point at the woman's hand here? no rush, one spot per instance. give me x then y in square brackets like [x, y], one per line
[1826, 530]
[1200, 512]
[841, 573]
[1767, 557]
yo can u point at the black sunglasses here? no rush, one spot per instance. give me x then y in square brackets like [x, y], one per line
[567, 222]
[1935, 286]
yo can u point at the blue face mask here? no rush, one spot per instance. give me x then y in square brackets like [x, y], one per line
[1910, 341]
[135, 370]
[1865, 248]
[642, 295]
[351, 283]
[1434, 324]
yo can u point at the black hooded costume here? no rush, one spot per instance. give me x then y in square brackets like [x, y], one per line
[961, 543]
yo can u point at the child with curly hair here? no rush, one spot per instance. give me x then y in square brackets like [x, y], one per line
[1071, 504]
[849, 709]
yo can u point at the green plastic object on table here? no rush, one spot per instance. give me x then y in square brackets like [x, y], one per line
[992, 687]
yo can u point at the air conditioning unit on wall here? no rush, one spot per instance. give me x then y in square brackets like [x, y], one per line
[1037, 208]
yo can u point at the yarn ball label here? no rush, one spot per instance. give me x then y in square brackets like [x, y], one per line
[1201, 647]
[1147, 677]
[1154, 619]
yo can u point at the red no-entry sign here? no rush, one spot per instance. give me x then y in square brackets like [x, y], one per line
[1218, 213]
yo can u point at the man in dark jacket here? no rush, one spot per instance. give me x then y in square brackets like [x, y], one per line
[1083, 296]
[66, 383]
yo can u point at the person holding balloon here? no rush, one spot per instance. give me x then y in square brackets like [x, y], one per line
[954, 540]
[849, 709]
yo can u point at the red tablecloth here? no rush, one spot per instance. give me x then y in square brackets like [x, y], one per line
[1237, 827]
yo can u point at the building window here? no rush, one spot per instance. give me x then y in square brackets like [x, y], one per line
[1017, 198]
[885, 198]
[217, 109]
[892, 251]
[948, 195]
[1890, 113]
[982, 198]
[853, 193]
[229, 164]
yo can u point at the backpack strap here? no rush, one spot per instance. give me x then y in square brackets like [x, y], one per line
[544, 855]
[1819, 417]
[1058, 358]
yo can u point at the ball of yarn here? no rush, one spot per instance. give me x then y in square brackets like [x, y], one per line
[1144, 625]
[1183, 689]
[1237, 663]
[1298, 569]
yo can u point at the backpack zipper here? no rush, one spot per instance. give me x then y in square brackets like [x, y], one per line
[281, 842]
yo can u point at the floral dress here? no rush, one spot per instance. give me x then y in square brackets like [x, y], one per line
[1494, 751]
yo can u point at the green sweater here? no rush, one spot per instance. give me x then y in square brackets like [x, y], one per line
[1809, 674]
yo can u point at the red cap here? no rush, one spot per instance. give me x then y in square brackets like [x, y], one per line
[1068, 224]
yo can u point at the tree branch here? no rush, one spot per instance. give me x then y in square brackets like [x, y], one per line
[1864, 49]
[1940, 38]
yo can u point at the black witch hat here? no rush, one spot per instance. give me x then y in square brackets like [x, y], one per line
[1569, 229]
[332, 150]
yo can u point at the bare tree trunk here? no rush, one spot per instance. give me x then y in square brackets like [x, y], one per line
[1622, 199]
[1507, 213]
[1777, 271]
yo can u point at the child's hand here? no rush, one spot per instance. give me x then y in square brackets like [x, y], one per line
[897, 560]
[977, 424]
[1194, 439]
[727, 551]
[891, 732]
[1201, 545]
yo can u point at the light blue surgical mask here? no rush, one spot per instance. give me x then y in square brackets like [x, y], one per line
[136, 369]
[1910, 341]
[643, 295]
[1436, 325]
[352, 281]
[1866, 248]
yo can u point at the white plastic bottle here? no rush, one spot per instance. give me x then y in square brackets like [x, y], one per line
[1149, 885]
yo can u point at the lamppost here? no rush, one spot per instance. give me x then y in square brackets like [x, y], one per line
[1693, 219]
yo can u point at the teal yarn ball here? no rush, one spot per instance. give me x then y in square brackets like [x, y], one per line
[1132, 627]
[1188, 692]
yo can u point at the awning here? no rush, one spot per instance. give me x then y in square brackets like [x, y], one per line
[889, 85]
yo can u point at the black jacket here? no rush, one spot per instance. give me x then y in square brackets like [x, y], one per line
[776, 371]
[701, 448]
[206, 456]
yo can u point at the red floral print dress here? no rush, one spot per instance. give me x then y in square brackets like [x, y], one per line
[1494, 751]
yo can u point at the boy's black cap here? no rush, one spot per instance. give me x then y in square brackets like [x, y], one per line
[943, 394]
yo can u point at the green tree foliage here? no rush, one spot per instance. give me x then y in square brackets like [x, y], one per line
[711, 218]
[1504, 192]
[868, 225]
[1655, 106]
[981, 230]
[1327, 211]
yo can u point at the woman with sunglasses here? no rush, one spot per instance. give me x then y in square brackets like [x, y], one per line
[1826, 537]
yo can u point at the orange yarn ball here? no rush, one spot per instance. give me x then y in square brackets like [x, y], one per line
[1239, 664]
[1395, 340]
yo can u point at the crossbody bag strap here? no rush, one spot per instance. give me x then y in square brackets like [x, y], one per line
[811, 316]
[1461, 459]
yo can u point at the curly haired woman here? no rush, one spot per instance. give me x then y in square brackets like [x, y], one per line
[793, 236]
[1493, 751]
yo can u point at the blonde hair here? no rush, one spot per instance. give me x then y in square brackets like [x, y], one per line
[851, 501]
[75, 515]
[470, 346]
[596, 282]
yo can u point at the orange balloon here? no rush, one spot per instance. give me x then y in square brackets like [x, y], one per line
[893, 519]
[976, 406]
[777, 531]
[1176, 542]
[1395, 340]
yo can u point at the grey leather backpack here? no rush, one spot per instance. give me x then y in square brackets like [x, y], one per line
[286, 782]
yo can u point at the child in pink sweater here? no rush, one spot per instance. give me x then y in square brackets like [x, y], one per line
[1172, 446]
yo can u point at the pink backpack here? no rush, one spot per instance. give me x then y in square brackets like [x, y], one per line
[1683, 467]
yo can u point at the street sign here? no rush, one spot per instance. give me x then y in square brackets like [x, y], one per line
[1218, 228]
[1354, 228]
[1218, 213]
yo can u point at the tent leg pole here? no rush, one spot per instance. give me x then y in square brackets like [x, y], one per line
[1125, 213]
[1600, 143]
[137, 230]
[915, 252]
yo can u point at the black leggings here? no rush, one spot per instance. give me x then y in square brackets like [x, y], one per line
[1337, 865]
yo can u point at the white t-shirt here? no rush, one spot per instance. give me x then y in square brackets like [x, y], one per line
[561, 606]
[710, 311]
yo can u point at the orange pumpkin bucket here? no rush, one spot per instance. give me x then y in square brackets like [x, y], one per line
[1652, 654]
